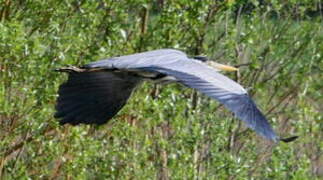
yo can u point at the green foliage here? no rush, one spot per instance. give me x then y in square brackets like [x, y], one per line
[165, 134]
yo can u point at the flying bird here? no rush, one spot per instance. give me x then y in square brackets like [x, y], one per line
[96, 92]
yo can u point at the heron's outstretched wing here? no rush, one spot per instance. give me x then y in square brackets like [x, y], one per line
[215, 85]
[93, 97]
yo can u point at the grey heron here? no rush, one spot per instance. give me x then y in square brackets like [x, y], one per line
[96, 92]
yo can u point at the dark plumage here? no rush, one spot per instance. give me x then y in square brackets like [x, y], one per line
[93, 97]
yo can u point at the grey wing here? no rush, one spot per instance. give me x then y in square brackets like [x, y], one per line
[139, 60]
[221, 88]
[93, 97]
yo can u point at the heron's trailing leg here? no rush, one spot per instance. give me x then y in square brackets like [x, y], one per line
[78, 69]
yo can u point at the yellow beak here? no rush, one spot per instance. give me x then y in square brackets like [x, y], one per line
[221, 67]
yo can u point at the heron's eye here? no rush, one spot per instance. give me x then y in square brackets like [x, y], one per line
[201, 58]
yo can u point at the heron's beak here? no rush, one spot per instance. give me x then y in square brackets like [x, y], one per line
[221, 67]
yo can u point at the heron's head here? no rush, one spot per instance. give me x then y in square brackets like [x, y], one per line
[217, 66]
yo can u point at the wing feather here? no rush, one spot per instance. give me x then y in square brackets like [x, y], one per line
[93, 97]
[236, 100]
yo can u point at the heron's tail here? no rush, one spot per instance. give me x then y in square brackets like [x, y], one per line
[92, 97]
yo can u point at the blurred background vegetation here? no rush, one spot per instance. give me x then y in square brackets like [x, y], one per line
[172, 133]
